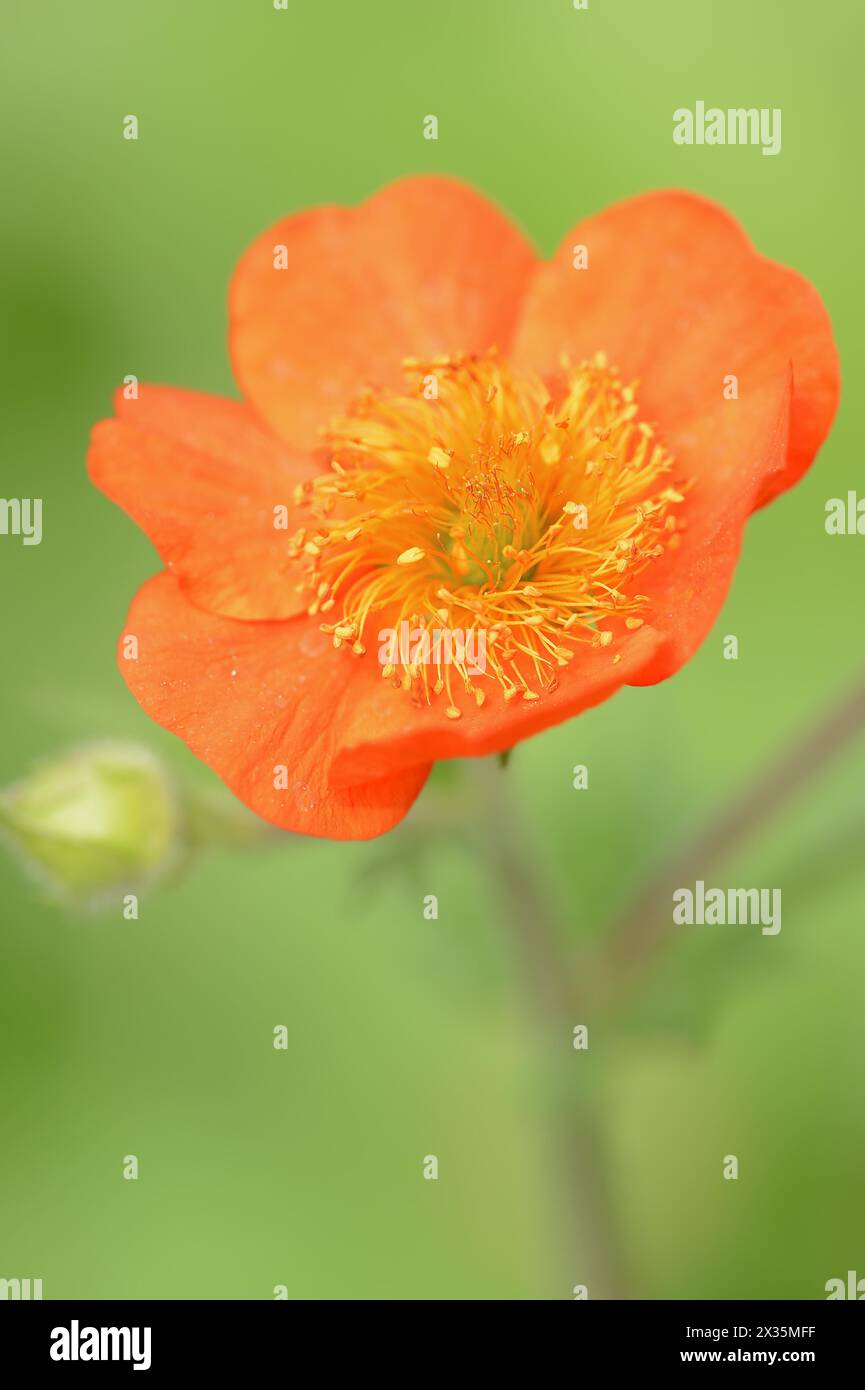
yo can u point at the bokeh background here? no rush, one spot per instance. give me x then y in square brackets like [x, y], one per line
[409, 1037]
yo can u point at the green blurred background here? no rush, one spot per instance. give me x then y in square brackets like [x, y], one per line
[409, 1037]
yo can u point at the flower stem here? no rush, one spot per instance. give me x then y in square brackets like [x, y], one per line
[643, 929]
[584, 1228]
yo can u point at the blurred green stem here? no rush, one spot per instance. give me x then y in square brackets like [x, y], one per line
[644, 928]
[583, 1214]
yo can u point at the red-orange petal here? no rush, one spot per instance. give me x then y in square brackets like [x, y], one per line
[390, 733]
[201, 476]
[425, 266]
[688, 584]
[259, 703]
[736, 453]
[678, 297]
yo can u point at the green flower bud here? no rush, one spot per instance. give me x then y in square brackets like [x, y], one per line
[100, 820]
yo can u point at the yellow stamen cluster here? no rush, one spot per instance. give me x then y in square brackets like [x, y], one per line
[486, 503]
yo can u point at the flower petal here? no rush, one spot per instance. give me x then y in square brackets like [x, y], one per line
[202, 477]
[677, 296]
[425, 266]
[688, 584]
[259, 703]
[401, 733]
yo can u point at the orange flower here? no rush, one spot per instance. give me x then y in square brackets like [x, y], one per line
[468, 494]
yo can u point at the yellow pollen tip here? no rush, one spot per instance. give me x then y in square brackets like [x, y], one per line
[410, 556]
